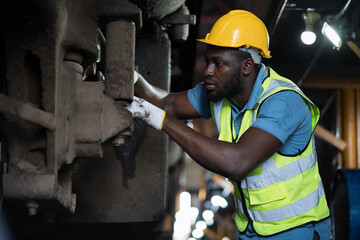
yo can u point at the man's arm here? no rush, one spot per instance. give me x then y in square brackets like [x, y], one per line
[175, 104]
[231, 160]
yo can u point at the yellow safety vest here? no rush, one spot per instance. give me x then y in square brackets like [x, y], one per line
[284, 191]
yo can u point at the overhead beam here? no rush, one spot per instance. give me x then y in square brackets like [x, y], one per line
[331, 83]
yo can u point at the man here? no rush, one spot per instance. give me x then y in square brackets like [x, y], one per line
[265, 123]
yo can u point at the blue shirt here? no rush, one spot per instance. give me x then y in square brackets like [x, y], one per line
[304, 232]
[285, 115]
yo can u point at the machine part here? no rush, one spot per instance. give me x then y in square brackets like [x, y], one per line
[32, 207]
[120, 60]
[114, 10]
[157, 9]
[52, 49]
[179, 22]
[44, 79]
[129, 183]
[119, 140]
[15, 107]
[96, 120]
[119, 18]
[345, 205]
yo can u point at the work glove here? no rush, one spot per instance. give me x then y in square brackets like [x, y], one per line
[145, 111]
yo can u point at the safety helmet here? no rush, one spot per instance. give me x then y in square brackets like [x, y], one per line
[239, 28]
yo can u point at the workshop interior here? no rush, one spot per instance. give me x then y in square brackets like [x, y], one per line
[76, 165]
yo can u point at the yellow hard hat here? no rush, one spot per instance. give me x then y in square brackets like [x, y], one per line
[239, 28]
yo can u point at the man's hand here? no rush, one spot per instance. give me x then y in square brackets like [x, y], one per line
[145, 111]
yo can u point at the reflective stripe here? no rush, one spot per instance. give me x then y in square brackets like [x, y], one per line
[274, 83]
[272, 174]
[290, 214]
[217, 111]
[292, 210]
[239, 206]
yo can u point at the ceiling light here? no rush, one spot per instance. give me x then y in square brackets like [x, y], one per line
[208, 214]
[219, 201]
[331, 34]
[197, 233]
[201, 225]
[308, 37]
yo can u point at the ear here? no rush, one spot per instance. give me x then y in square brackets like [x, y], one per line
[248, 66]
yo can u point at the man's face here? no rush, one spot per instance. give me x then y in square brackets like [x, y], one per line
[222, 73]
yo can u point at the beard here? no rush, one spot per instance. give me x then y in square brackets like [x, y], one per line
[232, 88]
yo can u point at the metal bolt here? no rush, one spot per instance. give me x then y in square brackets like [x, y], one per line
[32, 207]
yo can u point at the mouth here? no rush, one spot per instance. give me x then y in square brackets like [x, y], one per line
[210, 85]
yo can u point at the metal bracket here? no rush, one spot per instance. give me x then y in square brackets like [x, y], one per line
[178, 18]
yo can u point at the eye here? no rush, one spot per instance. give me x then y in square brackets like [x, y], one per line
[218, 64]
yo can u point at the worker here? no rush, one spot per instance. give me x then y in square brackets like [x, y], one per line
[265, 146]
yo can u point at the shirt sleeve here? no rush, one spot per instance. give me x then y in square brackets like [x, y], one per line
[287, 116]
[198, 99]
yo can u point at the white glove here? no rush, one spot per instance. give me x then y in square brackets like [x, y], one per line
[150, 114]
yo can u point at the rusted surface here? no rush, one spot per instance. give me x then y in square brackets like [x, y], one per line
[71, 152]
[158, 8]
[60, 148]
[47, 50]
[129, 183]
[120, 60]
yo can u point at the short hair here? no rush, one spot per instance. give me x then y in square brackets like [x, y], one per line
[241, 55]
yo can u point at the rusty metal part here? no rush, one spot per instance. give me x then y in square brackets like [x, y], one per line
[97, 119]
[130, 179]
[32, 206]
[119, 140]
[120, 60]
[179, 22]
[51, 49]
[49, 90]
[119, 18]
[114, 10]
[181, 16]
[23, 110]
[157, 9]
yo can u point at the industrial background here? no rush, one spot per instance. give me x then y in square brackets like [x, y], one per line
[74, 163]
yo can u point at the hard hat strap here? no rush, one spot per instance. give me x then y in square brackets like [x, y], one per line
[254, 52]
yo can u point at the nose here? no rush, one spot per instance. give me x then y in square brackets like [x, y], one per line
[209, 69]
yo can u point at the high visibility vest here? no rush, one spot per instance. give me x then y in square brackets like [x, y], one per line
[284, 191]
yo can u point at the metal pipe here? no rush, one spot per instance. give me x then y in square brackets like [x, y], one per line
[312, 63]
[324, 109]
[354, 47]
[343, 10]
[280, 12]
[101, 37]
[349, 127]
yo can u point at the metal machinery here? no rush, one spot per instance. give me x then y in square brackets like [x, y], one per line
[70, 153]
